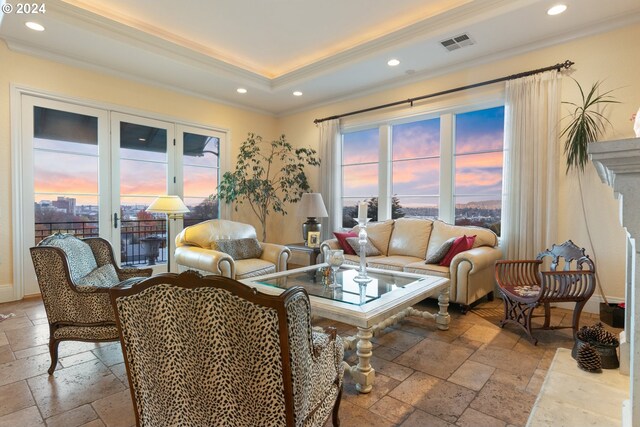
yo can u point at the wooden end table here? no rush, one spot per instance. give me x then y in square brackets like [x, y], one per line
[301, 247]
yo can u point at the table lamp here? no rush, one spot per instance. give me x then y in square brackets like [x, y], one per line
[173, 207]
[312, 207]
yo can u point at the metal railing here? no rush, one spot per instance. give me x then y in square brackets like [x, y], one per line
[142, 242]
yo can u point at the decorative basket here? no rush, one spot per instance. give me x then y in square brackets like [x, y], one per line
[608, 353]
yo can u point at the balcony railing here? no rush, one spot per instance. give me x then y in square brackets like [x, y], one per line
[142, 242]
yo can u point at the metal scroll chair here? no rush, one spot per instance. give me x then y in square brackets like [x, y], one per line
[524, 287]
[213, 351]
[74, 276]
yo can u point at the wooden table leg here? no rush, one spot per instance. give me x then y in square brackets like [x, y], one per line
[363, 374]
[442, 317]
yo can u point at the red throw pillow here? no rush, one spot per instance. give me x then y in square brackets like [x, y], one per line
[342, 241]
[461, 244]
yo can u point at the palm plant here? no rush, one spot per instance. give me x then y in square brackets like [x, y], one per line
[586, 125]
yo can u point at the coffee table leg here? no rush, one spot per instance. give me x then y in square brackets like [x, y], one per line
[363, 374]
[442, 317]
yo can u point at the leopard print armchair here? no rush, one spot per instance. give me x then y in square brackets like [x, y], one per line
[211, 351]
[74, 276]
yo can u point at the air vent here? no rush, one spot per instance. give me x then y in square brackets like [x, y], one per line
[457, 42]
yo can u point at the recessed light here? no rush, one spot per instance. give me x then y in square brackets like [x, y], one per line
[142, 139]
[297, 93]
[557, 9]
[34, 26]
[241, 90]
[393, 62]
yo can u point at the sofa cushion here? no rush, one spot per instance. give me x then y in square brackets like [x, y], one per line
[342, 241]
[461, 244]
[429, 269]
[410, 237]
[443, 232]
[396, 263]
[253, 267]
[238, 248]
[379, 233]
[369, 249]
[102, 277]
[442, 251]
[355, 259]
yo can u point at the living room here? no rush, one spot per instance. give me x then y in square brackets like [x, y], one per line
[602, 50]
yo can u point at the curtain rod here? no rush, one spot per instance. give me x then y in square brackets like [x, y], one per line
[566, 65]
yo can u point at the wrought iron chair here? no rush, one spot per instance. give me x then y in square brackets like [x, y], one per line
[213, 351]
[74, 276]
[524, 287]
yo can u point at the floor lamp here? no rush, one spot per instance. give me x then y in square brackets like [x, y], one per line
[174, 208]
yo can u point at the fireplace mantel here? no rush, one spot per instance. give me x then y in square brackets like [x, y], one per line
[618, 164]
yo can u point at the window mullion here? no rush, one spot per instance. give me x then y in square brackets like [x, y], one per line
[447, 211]
[385, 174]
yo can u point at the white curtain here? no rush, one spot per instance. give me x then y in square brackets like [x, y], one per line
[530, 165]
[330, 175]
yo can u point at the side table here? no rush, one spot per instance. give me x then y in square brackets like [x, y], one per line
[301, 247]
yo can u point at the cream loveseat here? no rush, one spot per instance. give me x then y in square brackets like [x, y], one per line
[406, 243]
[195, 250]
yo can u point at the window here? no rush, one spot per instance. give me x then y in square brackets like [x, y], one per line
[201, 165]
[478, 168]
[360, 159]
[447, 167]
[416, 169]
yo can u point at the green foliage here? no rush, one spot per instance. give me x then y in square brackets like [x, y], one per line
[268, 175]
[586, 125]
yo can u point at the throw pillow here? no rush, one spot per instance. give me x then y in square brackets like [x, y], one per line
[102, 277]
[238, 248]
[369, 250]
[342, 241]
[441, 252]
[461, 244]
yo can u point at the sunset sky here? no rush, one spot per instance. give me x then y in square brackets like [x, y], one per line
[416, 159]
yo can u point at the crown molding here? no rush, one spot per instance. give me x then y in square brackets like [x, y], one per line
[24, 48]
[614, 23]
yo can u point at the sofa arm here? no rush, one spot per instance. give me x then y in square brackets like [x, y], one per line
[480, 258]
[214, 262]
[276, 254]
[328, 245]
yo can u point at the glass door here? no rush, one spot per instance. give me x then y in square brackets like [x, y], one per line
[141, 172]
[67, 183]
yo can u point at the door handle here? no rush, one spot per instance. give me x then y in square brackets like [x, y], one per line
[115, 220]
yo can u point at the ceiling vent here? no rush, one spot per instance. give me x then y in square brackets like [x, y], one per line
[457, 42]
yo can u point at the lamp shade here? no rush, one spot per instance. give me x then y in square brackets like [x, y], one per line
[168, 205]
[312, 206]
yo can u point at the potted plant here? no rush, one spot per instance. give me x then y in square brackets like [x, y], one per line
[586, 125]
[267, 176]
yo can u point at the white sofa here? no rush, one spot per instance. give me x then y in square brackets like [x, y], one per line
[194, 251]
[406, 243]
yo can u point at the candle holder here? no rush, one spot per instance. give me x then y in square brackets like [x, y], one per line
[362, 241]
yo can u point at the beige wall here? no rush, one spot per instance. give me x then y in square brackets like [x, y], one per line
[610, 57]
[72, 82]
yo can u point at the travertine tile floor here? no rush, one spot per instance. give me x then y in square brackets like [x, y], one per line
[474, 374]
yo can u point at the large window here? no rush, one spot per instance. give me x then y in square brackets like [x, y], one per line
[448, 166]
[360, 158]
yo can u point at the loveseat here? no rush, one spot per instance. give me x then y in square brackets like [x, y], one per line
[405, 244]
[228, 249]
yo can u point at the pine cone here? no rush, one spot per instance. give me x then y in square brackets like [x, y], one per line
[605, 337]
[589, 359]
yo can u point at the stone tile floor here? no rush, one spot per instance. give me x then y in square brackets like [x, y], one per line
[474, 374]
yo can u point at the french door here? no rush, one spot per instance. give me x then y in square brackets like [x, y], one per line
[93, 172]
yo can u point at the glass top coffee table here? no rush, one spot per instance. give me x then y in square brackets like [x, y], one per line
[380, 303]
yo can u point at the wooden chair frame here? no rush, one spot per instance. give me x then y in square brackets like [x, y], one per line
[574, 283]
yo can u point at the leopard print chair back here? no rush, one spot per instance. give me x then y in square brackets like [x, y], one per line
[213, 351]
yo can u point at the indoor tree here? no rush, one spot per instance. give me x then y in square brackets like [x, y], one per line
[267, 176]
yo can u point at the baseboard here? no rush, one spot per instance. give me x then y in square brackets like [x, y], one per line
[592, 306]
[7, 293]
